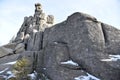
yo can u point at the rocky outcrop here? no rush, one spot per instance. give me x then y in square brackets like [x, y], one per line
[5, 51]
[35, 42]
[87, 42]
[76, 49]
[35, 23]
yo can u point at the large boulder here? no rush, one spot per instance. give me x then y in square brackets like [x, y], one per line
[86, 41]
[70, 50]
[54, 55]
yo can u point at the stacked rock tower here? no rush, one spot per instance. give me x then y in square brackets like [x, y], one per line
[36, 23]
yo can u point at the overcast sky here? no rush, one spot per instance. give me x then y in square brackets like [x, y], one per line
[12, 12]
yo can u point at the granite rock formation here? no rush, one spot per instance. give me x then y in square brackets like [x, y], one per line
[76, 49]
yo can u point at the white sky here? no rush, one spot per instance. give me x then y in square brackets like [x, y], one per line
[12, 12]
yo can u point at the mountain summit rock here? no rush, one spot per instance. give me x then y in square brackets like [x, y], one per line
[79, 48]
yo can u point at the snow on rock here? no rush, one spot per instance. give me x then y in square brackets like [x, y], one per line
[26, 36]
[4, 70]
[55, 42]
[33, 75]
[10, 63]
[88, 77]
[3, 76]
[82, 78]
[70, 62]
[10, 74]
[112, 58]
[44, 68]
[7, 75]
[34, 30]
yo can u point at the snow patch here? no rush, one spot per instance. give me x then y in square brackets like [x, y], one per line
[10, 74]
[44, 68]
[4, 70]
[70, 62]
[33, 75]
[26, 36]
[34, 30]
[10, 63]
[112, 58]
[55, 42]
[82, 78]
[88, 77]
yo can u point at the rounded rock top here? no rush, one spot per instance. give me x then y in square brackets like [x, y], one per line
[38, 4]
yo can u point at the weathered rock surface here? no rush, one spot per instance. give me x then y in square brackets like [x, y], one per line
[5, 51]
[54, 54]
[35, 41]
[65, 51]
[112, 39]
[20, 48]
[10, 45]
[86, 42]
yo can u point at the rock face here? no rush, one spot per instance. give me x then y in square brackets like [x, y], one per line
[88, 41]
[74, 49]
